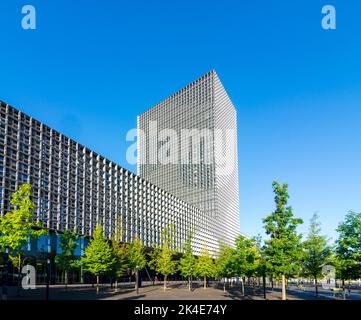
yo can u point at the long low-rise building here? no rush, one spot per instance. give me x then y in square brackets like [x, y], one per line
[76, 189]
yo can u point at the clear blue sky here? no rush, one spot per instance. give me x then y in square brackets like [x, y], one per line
[92, 66]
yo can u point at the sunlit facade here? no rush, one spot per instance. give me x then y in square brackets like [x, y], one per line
[180, 151]
[76, 189]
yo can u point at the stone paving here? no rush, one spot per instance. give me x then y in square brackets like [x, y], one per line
[175, 291]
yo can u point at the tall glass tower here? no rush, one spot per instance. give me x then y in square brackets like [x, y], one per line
[187, 145]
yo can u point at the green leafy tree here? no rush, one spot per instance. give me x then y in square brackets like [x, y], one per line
[283, 249]
[246, 258]
[18, 226]
[66, 260]
[224, 262]
[121, 253]
[121, 266]
[348, 246]
[188, 260]
[162, 258]
[99, 257]
[136, 258]
[205, 266]
[316, 251]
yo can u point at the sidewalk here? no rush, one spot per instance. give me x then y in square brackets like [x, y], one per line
[175, 291]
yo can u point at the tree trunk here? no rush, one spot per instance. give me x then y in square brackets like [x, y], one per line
[116, 286]
[243, 280]
[81, 275]
[165, 283]
[205, 283]
[316, 287]
[283, 287]
[66, 280]
[224, 285]
[189, 283]
[97, 284]
[19, 267]
[136, 282]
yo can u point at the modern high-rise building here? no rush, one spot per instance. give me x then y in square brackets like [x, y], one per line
[188, 146]
[75, 188]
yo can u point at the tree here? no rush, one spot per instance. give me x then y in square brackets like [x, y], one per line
[18, 227]
[283, 249]
[187, 261]
[205, 266]
[316, 251]
[162, 258]
[224, 263]
[99, 257]
[348, 246]
[136, 258]
[66, 259]
[246, 258]
[121, 253]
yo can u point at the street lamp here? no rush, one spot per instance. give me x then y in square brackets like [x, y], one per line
[48, 269]
[5, 274]
[47, 278]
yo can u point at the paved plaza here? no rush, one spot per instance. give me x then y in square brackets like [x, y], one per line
[175, 291]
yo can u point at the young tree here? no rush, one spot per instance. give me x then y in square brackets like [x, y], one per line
[224, 264]
[162, 258]
[121, 253]
[246, 258]
[66, 259]
[316, 251]
[121, 266]
[187, 262]
[18, 226]
[348, 246]
[205, 266]
[283, 249]
[99, 257]
[136, 258]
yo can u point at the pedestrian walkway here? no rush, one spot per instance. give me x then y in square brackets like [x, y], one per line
[175, 291]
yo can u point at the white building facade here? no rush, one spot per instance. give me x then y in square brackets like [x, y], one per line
[187, 145]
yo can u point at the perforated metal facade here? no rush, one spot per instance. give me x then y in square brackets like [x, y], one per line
[76, 189]
[203, 109]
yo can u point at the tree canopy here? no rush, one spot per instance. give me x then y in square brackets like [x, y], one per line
[205, 266]
[19, 226]
[316, 251]
[283, 248]
[99, 257]
[162, 257]
[348, 246]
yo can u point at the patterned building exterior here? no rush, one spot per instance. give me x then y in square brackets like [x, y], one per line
[76, 189]
[181, 152]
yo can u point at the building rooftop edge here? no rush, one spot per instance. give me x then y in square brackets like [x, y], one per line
[212, 72]
[98, 154]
